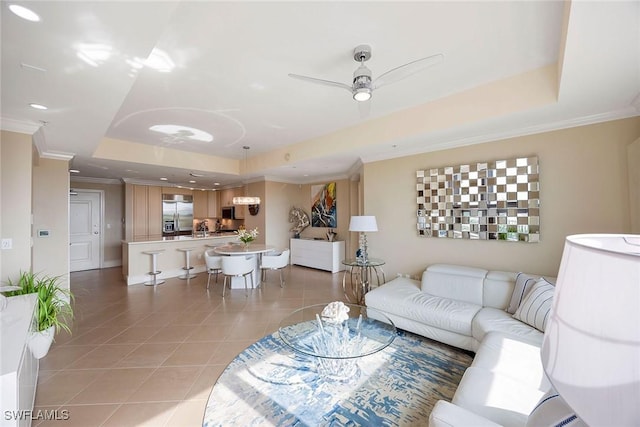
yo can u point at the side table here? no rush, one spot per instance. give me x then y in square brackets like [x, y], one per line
[363, 275]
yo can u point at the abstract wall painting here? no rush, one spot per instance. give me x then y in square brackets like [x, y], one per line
[323, 205]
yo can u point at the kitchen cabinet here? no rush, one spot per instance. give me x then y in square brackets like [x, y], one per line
[226, 199]
[200, 204]
[205, 204]
[146, 211]
[177, 190]
[213, 205]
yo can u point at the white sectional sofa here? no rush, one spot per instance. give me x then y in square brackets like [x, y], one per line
[474, 309]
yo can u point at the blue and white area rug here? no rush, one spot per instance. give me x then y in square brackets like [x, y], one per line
[271, 385]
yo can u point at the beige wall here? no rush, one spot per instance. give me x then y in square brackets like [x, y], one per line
[113, 219]
[281, 197]
[51, 212]
[633, 164]
[15, 203]
[584, 183]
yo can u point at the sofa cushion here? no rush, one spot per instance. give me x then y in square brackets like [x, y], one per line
[498, 289]
[523, 284]
[445, 414]
[403, 298]
[512, 356]
[497, 397]
[491, 319]
[455, 282]
[535, 308]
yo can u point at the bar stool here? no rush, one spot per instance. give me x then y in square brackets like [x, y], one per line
[154, 268]
[187, 267]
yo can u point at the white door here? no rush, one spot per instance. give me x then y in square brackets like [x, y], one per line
[84, 230]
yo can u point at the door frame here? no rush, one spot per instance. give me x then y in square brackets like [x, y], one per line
[101, 240]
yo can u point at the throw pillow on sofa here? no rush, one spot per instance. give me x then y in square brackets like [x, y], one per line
[553, 411]
[524, 282]
[536, 305]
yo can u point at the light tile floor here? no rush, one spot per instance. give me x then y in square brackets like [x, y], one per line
[144, 356]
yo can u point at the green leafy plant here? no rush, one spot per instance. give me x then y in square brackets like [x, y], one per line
[54, 303]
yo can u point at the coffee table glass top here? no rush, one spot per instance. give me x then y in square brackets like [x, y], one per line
[360, 334]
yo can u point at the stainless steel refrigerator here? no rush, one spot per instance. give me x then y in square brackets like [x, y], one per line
[177, 214]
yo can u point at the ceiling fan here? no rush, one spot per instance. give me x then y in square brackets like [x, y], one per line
[363, 85]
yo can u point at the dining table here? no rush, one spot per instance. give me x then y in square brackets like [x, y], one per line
[253, 251]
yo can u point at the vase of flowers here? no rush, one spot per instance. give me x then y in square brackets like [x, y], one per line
[247, 236]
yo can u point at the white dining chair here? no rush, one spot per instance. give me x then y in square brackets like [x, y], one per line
[275, 262]
[213, 263]
[237, 266]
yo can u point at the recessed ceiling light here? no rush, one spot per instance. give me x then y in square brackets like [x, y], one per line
[24, 13]
[216, 183]
[74, 171]
[38, 106]
[164, 179]
[192, 181]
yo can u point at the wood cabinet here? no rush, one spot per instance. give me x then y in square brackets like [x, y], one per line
[320, 254]
[200, 204]
[177, 190]
[147, 211]
[205, 204]
[226, 199]
[213, 205]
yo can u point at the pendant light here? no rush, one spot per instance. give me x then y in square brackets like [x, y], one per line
[246, 199]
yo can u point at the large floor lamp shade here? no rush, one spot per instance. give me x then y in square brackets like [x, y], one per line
[591, 348]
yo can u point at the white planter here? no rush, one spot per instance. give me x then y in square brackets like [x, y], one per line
[40, 342]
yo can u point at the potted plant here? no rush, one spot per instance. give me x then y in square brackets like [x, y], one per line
[53, 311]
[247, 236]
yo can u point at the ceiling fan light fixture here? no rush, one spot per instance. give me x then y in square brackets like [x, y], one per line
[362, 94]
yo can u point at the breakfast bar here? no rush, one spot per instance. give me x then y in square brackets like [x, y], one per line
[136, 264]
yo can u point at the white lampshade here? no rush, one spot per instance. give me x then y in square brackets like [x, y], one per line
[363, 223]
[591, 348]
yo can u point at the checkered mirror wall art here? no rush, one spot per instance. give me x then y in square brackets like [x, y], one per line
[497, 200]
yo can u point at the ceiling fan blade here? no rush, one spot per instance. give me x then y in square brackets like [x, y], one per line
[321, 81]
[406, 70]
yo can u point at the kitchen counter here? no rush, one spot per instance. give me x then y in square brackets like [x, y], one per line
[160, 239]
[136, 265]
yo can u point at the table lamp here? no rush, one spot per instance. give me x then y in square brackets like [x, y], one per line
[591, 347]
[362, 224]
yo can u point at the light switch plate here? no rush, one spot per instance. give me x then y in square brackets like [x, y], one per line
[7, 243]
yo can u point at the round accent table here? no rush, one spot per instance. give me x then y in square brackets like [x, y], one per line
[363, 275]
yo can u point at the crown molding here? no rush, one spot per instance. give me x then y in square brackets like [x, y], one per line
[19, 126]
[56, 155]
[625, 113]
[110, 181]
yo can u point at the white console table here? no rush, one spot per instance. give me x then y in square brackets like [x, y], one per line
[18, 367]
[320, 254]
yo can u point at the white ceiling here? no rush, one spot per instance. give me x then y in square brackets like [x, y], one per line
[510, 68]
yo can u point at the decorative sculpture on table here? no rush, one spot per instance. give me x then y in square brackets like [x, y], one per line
[301, 220]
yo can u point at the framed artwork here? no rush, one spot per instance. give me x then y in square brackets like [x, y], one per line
[323, 205]
[482, 201]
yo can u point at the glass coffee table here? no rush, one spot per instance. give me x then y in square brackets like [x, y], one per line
[337, 341]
